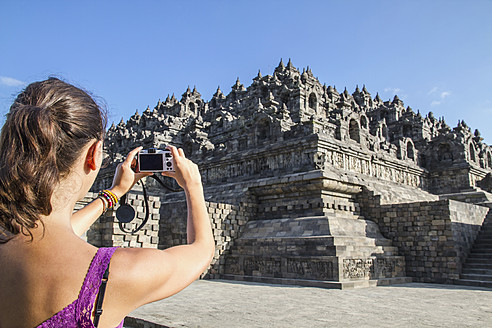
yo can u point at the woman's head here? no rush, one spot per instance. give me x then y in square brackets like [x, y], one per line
[45, 132]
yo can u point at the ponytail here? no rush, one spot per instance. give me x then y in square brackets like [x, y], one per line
[45, 131]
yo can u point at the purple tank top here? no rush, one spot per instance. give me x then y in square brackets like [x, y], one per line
[78, 314]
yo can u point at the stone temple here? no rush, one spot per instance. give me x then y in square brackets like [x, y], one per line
[311, 186]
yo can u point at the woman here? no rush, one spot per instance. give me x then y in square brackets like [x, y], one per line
[50, 155]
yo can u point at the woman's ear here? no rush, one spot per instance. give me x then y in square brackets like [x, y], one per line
[93, 160]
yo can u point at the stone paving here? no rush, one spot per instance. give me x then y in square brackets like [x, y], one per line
[220, 303]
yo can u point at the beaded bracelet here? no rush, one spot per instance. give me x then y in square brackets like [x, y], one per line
[105, 203]
[114, 198]
[108, 198]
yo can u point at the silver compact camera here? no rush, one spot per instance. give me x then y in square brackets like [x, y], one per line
[155, 160]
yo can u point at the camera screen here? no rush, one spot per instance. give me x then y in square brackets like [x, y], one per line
[151, 162]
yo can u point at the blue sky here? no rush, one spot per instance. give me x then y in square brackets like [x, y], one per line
[436, 55]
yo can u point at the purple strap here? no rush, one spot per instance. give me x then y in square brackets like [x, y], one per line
[78, 313]
[91, 284]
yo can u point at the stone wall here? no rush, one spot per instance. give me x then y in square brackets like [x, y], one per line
[226, 221]
[466, 221]
[435, 237]
[105, 232]
[229, 211]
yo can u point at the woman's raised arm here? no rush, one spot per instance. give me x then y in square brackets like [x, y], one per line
[141, 276]
[124, 179]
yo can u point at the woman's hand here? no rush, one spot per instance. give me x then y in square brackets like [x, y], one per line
[186, 172]
[124, 177]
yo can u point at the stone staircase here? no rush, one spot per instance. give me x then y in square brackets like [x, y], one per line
[477, 270]
[330, 251]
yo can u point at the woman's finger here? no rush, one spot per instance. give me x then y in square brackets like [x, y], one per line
[170, 174]
[173, 151]
[131, 155]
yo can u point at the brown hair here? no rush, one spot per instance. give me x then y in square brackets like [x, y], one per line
[44, 133]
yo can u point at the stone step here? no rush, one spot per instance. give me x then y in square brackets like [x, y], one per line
[477, 271]
[477, 261]
[475, 283]
[485, 266]
[477, 253]
[325, 239]
[480, 250]
[311, 226]
[286, 250]
[480, 255]
[480, 277]
[279, 249]
[482, 239]
[479, 245]
[362, 283]
[310, 247]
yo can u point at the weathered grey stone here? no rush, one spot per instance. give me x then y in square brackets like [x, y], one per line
[286, 149]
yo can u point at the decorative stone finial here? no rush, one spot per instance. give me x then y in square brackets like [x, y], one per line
[238, 86]
[187, 93]
[281, 64]
[218, 93]
[304, 75]
[289, 65]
